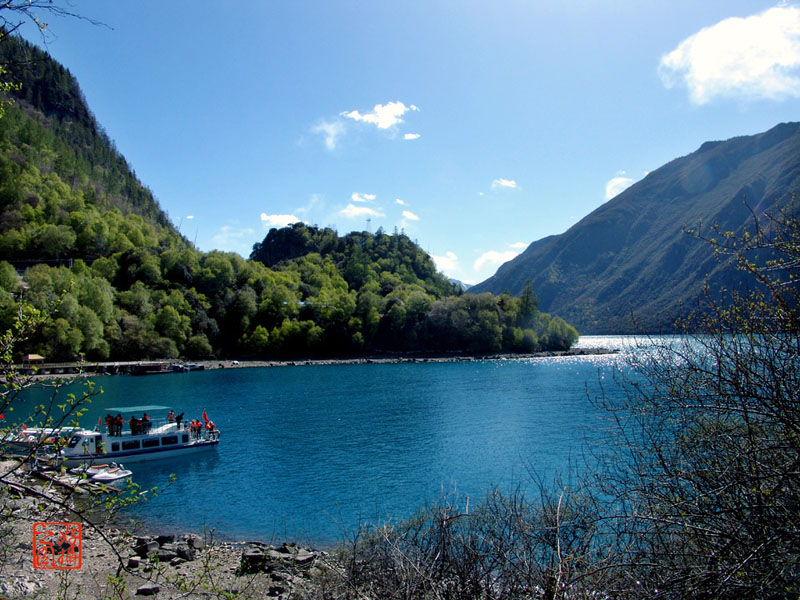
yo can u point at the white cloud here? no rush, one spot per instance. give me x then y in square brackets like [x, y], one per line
[411, 136]
[356, 197]
[447, 263]
[315, 203]
[331, 131]
[383, 116]
[519, 245]
[270, 221]
[351, 211]
[400, 202]
[494, 257]
[189, 217]
[234, 239]
[407, 214]
[504, 183]
[617, 185]
[753, 57]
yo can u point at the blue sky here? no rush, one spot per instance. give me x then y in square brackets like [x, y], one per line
[475, 127]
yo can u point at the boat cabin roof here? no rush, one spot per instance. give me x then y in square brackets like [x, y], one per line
[137, 409]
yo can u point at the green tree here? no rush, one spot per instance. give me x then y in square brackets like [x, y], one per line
[198, 347]
[528, 306]
[258, 341]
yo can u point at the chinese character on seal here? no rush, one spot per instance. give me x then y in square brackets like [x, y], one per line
[56, 545]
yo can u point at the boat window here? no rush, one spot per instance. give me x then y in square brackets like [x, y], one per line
[150, 443]
[130, 445]
[115, 447]
[168, 440]
[185, 438]
[74, 441]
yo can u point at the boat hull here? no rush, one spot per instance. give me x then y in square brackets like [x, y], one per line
[140, 455]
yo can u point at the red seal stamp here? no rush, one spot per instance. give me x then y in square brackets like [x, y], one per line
[56, 545]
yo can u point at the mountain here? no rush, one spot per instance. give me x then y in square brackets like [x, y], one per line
[49, 139]
[630, 265]
[84, 242]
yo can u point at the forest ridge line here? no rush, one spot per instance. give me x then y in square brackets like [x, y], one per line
[137, 289]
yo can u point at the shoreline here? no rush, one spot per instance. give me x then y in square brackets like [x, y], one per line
[172, 565]
[49, 371]
[400, 358]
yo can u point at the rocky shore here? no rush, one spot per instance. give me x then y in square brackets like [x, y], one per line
[118, 563]
[400, 358]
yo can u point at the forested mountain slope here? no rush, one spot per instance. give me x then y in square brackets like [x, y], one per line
[630, 265]
[82, 239]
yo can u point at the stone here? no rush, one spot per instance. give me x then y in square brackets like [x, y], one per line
[165, 539]
[145, 548]
[275, 555]
[133, 562]
[177, 561]
[185, 551]
[165, 555]
[286, 548]
[304, 557]
[148, 589]
[195, 541]
[253, 561]
[139, 539]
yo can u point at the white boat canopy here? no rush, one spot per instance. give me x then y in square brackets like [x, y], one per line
[137, 409]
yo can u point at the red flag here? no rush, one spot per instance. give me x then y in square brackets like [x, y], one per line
[99, 421]
[205, 418]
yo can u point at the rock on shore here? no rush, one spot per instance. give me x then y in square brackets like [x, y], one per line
[115, 563]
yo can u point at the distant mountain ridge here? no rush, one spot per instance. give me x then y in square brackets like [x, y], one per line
[629, 265]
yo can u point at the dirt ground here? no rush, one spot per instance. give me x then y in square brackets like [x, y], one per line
[117, 564]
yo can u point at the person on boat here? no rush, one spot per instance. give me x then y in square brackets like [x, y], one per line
[146, 424]
[110, 424]
[171, 416]
[178, 420]
[119, 422]
[134, 423]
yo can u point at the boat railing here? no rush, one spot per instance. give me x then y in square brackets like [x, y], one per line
[160, 425]
[153, 424]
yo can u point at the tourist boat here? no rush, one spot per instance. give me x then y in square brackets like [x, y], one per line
[158, 439]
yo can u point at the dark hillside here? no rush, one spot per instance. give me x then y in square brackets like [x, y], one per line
[631, 259]
[57, 113]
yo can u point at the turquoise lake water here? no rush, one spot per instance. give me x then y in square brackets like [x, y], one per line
[309, 452]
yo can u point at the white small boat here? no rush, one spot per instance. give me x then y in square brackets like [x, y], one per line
[112, 475]
[91, 469]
